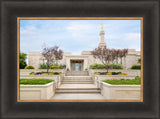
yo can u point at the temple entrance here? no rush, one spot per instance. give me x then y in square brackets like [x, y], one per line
[76, 65]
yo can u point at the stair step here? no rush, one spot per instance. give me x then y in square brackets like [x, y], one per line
[77, 82]
[77, 73]
[77, 78]
[78, 91]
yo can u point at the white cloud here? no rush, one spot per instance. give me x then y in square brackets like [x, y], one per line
[29, 30]
[126, 40]
[133, 40]
[78, 35]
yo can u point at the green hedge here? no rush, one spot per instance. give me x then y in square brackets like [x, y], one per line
[29, 67]
[62, 66]
[115, 66]
[43, 66]
[136, 67]
[102, 66]
[97, 66]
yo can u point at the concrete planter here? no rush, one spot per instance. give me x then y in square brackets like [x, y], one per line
[37, 92]
[57, 78]
[120, 92]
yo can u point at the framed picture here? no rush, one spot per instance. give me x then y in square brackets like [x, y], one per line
[62, 79]
[107, 72]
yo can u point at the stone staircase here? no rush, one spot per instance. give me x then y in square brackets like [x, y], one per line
[77, 82]
[77, 73]
[77, 90]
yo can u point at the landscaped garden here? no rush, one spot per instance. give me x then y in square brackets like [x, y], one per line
[52, 66]
[102, 66]
[109, 73]
[45, 73]
[136, 81]
[34, 81]
[136, 67]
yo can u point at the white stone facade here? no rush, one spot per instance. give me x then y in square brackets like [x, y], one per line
[85, 59]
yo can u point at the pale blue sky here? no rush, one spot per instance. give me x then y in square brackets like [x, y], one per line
[78, 35]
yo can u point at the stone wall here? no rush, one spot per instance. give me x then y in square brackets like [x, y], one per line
[37, 92]
[35, 59]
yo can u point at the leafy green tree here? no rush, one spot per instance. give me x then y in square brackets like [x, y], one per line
[139, 60]
[22, 60]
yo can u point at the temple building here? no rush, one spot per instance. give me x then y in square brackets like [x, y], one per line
[82, 62]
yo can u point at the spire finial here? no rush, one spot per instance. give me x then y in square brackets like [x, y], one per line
[102, 27]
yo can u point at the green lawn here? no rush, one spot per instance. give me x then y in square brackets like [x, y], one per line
[35, 81]
[136, 81]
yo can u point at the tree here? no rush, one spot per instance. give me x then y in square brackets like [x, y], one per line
[104, 55]
[123, 53]
[139, 60]
[117, 53]
[52, 54]
[108, 55]
[22, 60]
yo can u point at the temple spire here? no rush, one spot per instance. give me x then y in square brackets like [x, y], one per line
[102, 27]
[102, 43]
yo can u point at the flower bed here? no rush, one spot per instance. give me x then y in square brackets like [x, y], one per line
[109, 73]
[45, 73]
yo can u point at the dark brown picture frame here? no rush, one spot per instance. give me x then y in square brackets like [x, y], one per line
[148, 9]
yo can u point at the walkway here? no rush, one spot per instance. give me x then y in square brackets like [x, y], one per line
[80, 87]
[77, 95]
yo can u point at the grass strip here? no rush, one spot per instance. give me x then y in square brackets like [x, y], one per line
[136, 81]
[35, 81]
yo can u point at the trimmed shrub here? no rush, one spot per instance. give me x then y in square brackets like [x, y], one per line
[29, 67]
[54, 67]
[115, 66]
[43, 66]
[97, 66]
[102, 66]
[136, 67]
[62, 66]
